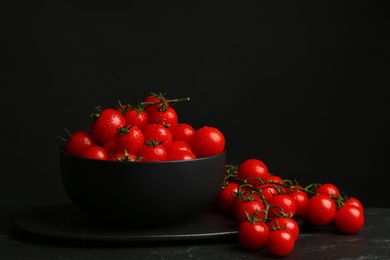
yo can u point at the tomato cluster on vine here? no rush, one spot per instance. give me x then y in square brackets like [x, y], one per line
[266, 207]
[149, 131]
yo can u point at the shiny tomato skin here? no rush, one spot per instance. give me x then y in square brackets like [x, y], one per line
[136, 117]
[152, 153]
[159, 133]
[178, 146]
[349, 219]
[249, 207]
[287, 223]
[281, 205]
[179, 155]
[253, 235]
[78, 142]
[328, 189]
[183, 132]
[129, 138]
[280, 242]
[268, 190]
[355, 202]
[154, 98]
[245, 194]
[167, 118]
[111, 148]
[123, 157]
[320, 210]
[95, 152]
[301, 198]
[226, 196]
[103, 129]
[251, 169]
[207, 141]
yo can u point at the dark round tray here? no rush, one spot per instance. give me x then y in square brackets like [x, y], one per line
[68, 222]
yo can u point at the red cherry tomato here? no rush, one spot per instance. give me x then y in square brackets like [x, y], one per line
[268, 190]
[355, 202]
[159, 133]
[280, 242]
[328, 189]
[159, 100]
[320, 210]
[152, 152]
[180, 155]
[78, 142]
[349, 219]
[95, 152]
[136, 116]
[129, 138]
[167, 118]
[253, 235]
[183, 132]
[281, 205]
[226, 196]
[285, 223]
[111, 148]
[178, 146]
[254, 170]
[103, 129]
[301, 199]
[207, 141]
[123, 157]
[248, 208]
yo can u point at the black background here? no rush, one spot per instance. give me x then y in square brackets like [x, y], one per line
[298, 84]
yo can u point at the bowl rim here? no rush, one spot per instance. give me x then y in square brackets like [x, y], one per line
[62, 151]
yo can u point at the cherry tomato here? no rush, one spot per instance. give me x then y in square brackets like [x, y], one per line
[280, 242]
[123, 157]
[253, 235]
[111, 148]
[178, 146]
[136, 116]
[249, 207]
[320, 210]
[129, 138]
[328, 189]
[180, 155]
[285, 223]
[301, 199]
[159, 133]
[244, 194]
[282, 205]
[103, 129]
[349, 219]
[253, 169]
[159, 99]
[355, 202]
[78, 142]
[183, 132]
[167, 118]
[152, 152]
[268, 190]
[276, 180]
[95, 152]
[207, 141]
[226, 196]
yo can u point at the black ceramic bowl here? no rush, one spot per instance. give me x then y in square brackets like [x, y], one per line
[142, 193]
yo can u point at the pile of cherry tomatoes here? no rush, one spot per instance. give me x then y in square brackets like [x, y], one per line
[150, 131]
[266, 207]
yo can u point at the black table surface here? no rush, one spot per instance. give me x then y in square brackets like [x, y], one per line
[372, 242]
